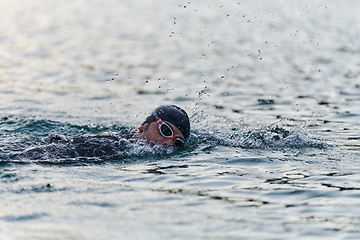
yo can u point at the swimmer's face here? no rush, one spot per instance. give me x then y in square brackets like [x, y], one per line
[150, 133]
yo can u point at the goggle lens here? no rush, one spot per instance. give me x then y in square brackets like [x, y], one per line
[165, 130]
[178, 143]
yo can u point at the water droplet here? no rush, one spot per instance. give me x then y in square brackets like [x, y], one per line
[249, 22]
[244, 16]
[222, 77]
[259, 51]
[260, 59]
[146, 82]
[221, 6]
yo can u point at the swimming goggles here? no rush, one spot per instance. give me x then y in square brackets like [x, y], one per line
[167, 132]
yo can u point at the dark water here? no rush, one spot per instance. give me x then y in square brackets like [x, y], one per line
[272, 89]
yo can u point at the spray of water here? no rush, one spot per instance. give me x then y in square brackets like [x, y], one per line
[116, 144]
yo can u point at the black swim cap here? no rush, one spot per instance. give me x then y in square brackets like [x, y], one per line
[174, 115]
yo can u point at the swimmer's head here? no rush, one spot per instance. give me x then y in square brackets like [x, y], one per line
[174, 115]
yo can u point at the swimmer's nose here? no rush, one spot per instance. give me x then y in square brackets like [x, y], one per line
[167, 142]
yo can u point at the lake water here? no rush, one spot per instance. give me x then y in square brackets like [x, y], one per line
[272, 89]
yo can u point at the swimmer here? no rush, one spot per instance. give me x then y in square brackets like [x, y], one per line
[166, 126]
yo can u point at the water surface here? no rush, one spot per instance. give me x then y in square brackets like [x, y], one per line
[272, 90]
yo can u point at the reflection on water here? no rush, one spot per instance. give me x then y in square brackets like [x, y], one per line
[272, 90]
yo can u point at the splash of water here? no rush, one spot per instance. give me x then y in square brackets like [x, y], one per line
[116, 144]
[274, 136]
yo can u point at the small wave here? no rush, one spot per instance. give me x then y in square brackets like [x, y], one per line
[55, 147]
[11, 126]
[116, 145]
[79, 149]
[274, 136]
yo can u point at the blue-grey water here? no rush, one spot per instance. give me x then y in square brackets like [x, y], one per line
[272, 89]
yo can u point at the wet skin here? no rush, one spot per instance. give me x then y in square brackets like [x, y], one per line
[153, 137]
